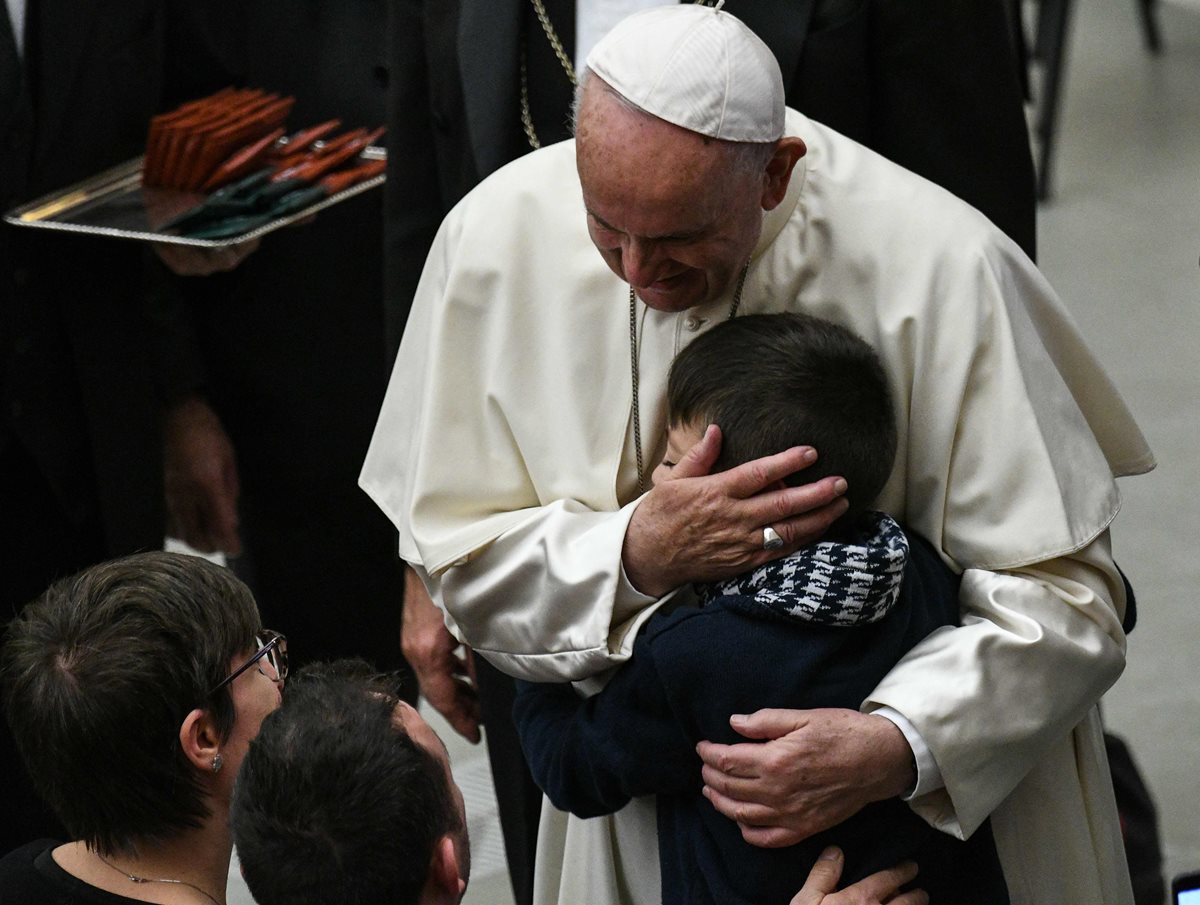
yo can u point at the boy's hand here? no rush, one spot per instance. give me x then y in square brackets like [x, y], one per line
[873, 890]
[710, 527]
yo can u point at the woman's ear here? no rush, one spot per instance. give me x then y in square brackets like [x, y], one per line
[200, 741]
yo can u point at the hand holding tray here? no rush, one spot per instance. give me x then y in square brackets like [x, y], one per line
[218, 171]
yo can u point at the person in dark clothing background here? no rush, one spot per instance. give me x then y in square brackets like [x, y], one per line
[293, 362]
[84, 378]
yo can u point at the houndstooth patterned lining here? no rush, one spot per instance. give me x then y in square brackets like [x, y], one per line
[829, 583]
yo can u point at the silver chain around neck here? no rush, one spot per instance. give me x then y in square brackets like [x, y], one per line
[565, 61]
[134, 878]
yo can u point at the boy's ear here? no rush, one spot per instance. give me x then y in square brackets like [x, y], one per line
[444, 876]
[199, 739]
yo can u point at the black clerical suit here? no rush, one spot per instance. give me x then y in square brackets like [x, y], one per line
[83, 381]
[294, 354]
[933, 85]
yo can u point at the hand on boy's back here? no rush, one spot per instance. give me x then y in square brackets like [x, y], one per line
[702, 527]
[804, 771]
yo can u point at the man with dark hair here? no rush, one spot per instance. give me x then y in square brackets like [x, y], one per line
[818, 628]
[346, 797]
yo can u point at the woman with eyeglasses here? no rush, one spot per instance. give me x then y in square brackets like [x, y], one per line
[133, 690]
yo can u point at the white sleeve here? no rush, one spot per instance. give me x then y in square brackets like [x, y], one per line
[548, 600]
[1037, 648]
[929, 776]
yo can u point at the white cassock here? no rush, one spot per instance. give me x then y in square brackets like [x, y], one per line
[504, 455]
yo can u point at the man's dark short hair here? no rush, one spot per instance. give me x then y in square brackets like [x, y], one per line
[100, 672]
[774, 381]
[334, 802]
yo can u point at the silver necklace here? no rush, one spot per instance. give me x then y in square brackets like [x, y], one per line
[563, 60]
[134, 878]
[633, 370]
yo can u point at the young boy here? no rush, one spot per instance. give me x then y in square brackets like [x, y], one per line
[818, 628]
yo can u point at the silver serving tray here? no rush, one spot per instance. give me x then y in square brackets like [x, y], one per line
[116, 204]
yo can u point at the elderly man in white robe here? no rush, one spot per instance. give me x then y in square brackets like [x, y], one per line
[528, 397]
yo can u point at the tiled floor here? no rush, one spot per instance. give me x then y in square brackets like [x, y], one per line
[1120, 241]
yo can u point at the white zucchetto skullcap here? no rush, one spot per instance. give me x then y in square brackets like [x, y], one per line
[696, 67]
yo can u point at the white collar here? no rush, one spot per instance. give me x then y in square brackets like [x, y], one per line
[16, 15]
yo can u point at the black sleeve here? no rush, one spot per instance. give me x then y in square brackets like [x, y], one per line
[931, 585]
[178, 361]
[948, 105]
[933, 85]
[202, 49]
[592, 756]
[413, 200]
[201, 57]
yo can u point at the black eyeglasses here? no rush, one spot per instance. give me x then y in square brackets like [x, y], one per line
[273, 648]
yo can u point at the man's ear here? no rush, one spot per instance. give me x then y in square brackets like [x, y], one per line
[199, 739]
[444, 876]
[788, 150]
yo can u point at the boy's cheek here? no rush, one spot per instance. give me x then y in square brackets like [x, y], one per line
[660, 474]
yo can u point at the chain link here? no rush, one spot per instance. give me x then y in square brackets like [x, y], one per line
[552, 37]
[563, 59]
[134, 878]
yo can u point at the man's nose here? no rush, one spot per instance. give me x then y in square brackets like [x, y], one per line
[641, 261]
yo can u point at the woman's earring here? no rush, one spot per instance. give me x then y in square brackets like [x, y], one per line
[217, 763]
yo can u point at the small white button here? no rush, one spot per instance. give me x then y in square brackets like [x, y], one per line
[693, 323]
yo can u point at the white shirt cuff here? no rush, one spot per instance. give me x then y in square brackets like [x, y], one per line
[929, 775]
[628, 598]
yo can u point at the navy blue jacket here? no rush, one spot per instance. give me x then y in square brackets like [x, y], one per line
[689, 671]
